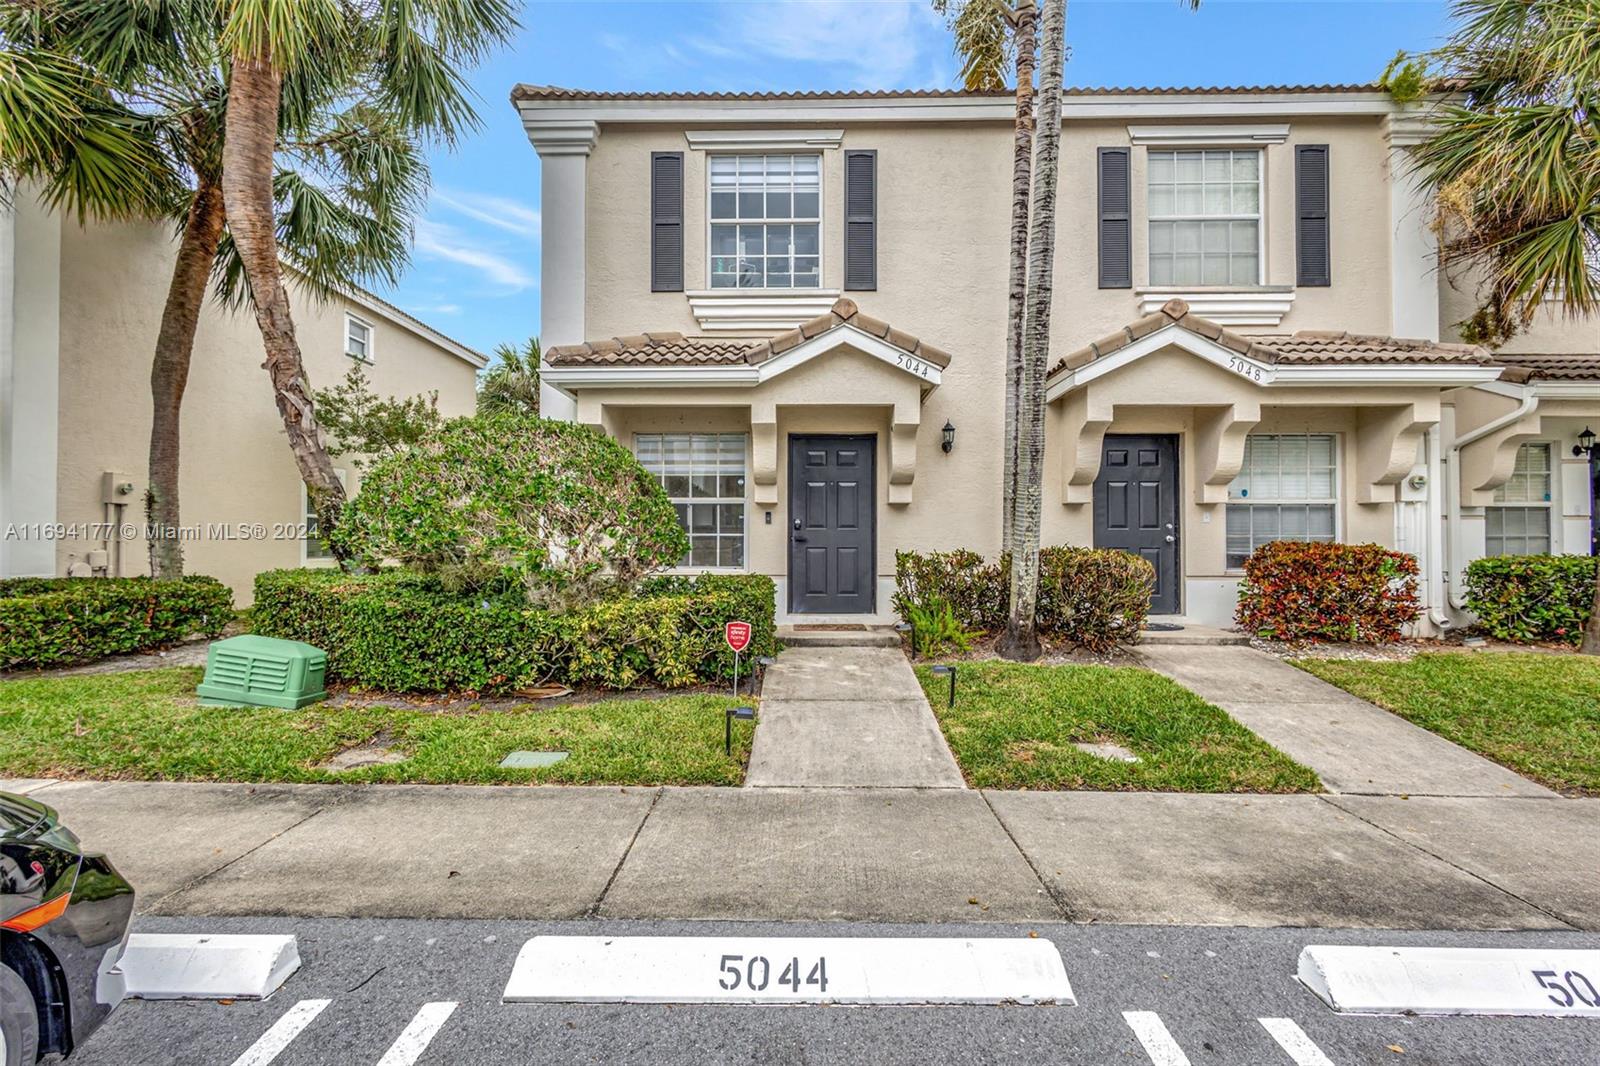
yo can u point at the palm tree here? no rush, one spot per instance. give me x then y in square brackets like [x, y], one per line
[406, 55]
[1514, 162]
[153, 77]
[981, 34]
[511, 386]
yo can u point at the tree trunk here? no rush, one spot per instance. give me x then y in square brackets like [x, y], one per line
[1591, 631]
[1021, 639]
[1016, 300]
[169, 373]
[247, 166]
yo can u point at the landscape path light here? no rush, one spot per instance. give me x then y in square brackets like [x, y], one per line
[942, 669]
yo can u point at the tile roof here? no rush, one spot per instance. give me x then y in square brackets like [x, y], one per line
[675, 349]
[1308, 347]
[557, 92]
[1577, 366]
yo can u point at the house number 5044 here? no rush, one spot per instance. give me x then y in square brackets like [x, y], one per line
[1245, 368]
[916, 366]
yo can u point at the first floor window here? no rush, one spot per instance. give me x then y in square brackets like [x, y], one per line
[358, 338]
[316, 548]
[1287, 489]
[1518, 522]
[703, 475]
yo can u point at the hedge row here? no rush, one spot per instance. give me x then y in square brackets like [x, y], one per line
[56, 621]
[403, 632]
[1309, 591]
[1095, 598]
[1532, 598]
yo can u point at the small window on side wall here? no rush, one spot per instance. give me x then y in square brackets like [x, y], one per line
[358, 338]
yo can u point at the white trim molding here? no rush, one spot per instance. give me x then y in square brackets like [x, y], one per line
[757, 310]
[1261, 305]
[1209, 135]
[762, 140]
[560, 136]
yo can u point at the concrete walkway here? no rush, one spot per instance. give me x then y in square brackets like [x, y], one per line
[849, 717]
[915, 855]
[1354, 746]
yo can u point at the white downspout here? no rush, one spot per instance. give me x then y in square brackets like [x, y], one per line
[1452, 488]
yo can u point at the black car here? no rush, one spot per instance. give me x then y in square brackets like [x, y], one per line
[63, 921]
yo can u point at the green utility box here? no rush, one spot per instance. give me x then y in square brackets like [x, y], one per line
[263, 672]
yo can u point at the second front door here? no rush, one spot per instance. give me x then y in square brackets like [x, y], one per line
[1136, 507]
[832, 566]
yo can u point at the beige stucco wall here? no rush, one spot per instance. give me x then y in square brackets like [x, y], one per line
[1551, 331]
[236, 466]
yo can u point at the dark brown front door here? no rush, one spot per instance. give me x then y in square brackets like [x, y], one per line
[831, 509]
[1136, 507]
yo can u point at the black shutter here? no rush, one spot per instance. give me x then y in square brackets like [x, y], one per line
[1312, 257]
[861, 220]
[666, 221]
[1116, 220]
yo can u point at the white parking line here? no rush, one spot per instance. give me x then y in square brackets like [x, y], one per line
[1158, 1043]
[409, 1045]
[285, 1029]
[1294, 1040]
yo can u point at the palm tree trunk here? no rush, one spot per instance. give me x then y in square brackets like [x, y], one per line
[247, 167]
[1017, 297]
[169, 373]
[1591, 631]
[1021, 639]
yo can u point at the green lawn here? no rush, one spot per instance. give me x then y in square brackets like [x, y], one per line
[1537, 714]
[146, 725]
[1014, 726]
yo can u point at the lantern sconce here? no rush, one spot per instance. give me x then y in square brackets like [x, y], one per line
[949, 440]
[1585, 445]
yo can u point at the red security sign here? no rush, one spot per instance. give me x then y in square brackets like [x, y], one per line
[737, 634]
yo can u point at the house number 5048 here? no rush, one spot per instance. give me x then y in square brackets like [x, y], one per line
[1245, 368]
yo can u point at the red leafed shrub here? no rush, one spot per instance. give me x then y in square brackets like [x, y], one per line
[1301, 591]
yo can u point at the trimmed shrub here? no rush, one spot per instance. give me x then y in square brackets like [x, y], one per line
[399, 631]
[55, 621]
[1092, 597]
[1529, 598]
[560, 509]
[1095, 598]
[1304, 591]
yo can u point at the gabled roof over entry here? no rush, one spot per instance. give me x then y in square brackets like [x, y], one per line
[842, 324]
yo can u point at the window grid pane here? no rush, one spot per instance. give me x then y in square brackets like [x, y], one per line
[766, 215]
[1517, 530]
[1286, 490]
[704, 476]
[1205, 217]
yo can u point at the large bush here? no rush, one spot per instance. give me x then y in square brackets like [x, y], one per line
[1527, 598]
[1095, 598]
[1306, 591]
[52, 621]
[561, 510]
[407, 632]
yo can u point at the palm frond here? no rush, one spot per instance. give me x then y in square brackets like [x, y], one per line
[511, 384]
[982, 33]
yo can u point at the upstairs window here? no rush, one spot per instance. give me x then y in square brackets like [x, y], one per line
[1205, 217]
[1287, 489]
[1518, 522]
[766, 221]
[358, 338]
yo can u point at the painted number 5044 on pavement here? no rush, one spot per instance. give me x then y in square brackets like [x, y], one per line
[755, 973]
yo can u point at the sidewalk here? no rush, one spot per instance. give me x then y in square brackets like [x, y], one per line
[1354, 746]
[850, 717]
[862, 854]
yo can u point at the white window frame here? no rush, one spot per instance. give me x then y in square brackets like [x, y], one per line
[1259, 218]
[719, 501]
[821, 222]
[372, 338]
[307, 560]
[1553, 516]
[1336, 501]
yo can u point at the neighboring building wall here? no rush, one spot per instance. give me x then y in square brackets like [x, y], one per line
[236, 465]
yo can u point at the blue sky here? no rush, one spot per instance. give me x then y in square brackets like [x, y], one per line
[475, 269]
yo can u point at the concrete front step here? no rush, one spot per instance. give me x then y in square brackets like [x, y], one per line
[864, 637]
[1192, 635]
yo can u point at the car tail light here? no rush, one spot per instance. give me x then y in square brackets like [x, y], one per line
[35, 917]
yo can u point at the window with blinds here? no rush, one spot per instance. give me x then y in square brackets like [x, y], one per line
[1287, 489]
[703, 474]
[766, 221]
[1518, 522]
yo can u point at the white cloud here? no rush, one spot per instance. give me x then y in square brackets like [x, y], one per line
[502, 212]
[437, 309]
[435, 240]
[872, 43]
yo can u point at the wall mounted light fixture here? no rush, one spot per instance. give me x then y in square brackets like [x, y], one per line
[949, 437]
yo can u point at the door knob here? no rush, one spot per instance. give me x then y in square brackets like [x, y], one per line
[1171, 539]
